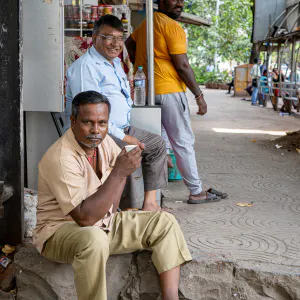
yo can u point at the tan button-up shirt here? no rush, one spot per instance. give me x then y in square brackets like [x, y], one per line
[65, 180]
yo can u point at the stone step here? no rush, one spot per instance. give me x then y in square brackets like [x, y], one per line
[133, 276]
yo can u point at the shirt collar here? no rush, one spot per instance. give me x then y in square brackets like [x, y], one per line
[100, 59]
[73, 142]
[75, 145]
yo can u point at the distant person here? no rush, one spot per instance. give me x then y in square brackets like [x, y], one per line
[277, 78]
[248, 89]
[210, 68]
[231, 84]
[298, 73]
[264, 89]
[263, 67]
[255, 75]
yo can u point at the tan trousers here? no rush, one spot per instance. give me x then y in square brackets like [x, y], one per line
[88, 248]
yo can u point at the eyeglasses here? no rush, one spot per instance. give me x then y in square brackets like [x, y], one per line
[110, 38]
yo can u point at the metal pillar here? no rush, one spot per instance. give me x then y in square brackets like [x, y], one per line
[293, 61]
[11, 123]
[293, 73]
[150, 52]
[279, 70]
[265, 103]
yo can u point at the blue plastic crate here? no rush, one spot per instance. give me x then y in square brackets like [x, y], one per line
[174, 174]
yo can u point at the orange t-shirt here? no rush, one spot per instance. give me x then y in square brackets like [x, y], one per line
[169, 38]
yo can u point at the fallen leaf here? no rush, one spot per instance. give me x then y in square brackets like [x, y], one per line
[253, 141]
[298, 150]
[243, 204]
[7, 249]
[291, 132]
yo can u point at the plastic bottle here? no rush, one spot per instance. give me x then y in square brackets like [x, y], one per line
[123, 17]
[125, 24]
[140, 87]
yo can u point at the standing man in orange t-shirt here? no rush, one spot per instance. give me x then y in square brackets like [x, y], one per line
[172, 73]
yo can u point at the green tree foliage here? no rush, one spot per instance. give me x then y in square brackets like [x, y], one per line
[229, 36]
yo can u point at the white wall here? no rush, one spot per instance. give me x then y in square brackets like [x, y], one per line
[40, 135]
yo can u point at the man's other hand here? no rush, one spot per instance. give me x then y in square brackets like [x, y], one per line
[202, 106]
[128, 162]
[131, 140]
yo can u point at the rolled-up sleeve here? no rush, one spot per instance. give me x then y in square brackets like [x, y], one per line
[67, 183]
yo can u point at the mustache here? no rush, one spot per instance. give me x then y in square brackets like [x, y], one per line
[94, 136]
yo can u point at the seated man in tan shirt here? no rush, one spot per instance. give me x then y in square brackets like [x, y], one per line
[81, 179]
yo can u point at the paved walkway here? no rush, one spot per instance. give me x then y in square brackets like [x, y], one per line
[252, 172]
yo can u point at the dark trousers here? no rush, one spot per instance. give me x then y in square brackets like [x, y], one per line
[230, 85]
[154, 171]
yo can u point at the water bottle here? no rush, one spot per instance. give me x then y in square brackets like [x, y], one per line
[140, 88]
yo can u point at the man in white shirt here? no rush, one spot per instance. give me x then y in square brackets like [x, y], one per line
[100, 70]
[255, 75]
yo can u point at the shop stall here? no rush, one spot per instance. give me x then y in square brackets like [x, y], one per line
[276, 35]
[56, 33]
[282, 52]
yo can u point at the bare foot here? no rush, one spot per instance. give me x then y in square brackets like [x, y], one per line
[157, 208]
[151, 207]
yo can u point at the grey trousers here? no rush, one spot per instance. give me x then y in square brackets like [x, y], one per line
[176, 120]
[154, 167]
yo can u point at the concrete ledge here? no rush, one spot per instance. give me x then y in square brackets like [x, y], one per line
[133, 276]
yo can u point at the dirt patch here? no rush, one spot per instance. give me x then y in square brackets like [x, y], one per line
[290, 142]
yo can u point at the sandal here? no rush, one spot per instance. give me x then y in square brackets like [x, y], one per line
[218, 193]
[209, 199]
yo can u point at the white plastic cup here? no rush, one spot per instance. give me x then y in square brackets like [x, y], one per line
[128, 148]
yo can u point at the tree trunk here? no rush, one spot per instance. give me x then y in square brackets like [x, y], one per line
[255, 47]
[255, 52]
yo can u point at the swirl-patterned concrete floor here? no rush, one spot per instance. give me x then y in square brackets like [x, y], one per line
[252, 172]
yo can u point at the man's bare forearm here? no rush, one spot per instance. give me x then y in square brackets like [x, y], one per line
[187, 75]
[97, 205]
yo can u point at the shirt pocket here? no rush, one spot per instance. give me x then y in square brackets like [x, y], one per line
[109, 83]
